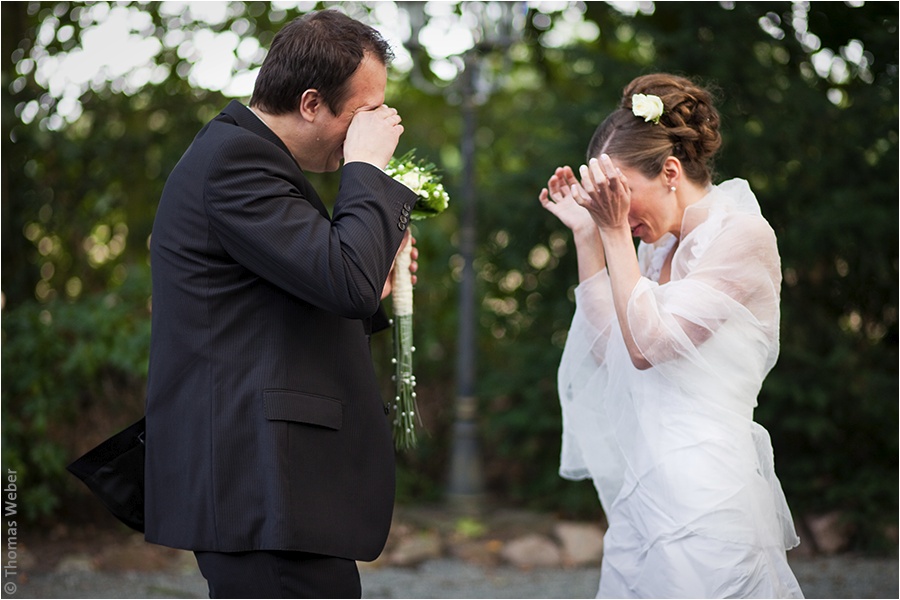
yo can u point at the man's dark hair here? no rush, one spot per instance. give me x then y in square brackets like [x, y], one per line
[320, 51]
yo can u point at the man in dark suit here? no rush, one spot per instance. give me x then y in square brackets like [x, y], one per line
[268, 448]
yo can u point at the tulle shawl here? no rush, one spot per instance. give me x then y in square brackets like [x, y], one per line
[682, 431]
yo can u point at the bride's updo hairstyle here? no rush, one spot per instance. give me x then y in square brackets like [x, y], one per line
[688, 129]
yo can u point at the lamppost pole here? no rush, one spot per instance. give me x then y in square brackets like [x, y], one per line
[491, 25]
[465, 486]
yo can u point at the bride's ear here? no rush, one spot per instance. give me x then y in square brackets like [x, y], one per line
[673, 172]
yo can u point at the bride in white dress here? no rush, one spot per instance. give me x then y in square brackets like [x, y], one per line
[667, 352]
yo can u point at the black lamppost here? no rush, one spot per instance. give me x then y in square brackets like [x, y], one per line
[492, 25]
[465, 485]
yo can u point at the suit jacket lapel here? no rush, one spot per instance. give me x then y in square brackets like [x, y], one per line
[244, 118]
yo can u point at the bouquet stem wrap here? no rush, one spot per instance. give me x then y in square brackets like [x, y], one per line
[405, 400]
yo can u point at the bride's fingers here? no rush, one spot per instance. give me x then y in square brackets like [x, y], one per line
[569, 176]
[559, 191]
[543, 197]
[598, 173]
[610, 171]
[623, 181]
[548, 204]
[580, 195]
[589, 182]
[547, 201]
[554, 189]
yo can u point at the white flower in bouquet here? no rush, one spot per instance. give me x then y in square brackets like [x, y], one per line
[414, 179]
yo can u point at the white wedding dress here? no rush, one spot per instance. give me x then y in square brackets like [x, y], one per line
[685, 476]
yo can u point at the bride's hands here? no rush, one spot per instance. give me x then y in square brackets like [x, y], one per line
[559, 200]
[604, 193]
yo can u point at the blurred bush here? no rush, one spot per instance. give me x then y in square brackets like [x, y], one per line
[74, 374]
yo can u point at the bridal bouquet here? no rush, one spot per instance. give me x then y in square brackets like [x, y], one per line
[423, 179]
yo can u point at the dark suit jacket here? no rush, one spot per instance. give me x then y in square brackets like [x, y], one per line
[265, 426]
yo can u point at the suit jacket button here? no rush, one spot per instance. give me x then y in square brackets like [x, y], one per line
[406, 206]
[401, 226]
[404, 219]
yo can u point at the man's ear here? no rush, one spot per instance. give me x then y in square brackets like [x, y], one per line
[310, 104]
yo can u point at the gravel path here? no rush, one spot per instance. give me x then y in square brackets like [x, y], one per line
[823, 577]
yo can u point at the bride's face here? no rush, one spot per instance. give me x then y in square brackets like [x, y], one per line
[652, 213]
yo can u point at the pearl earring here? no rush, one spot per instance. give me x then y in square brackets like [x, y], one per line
[671, 188]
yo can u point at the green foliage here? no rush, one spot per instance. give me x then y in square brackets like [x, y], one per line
[821, 153]
[74, 366]
[808, 96]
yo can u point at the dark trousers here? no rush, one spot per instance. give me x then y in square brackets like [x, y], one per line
[278, 574]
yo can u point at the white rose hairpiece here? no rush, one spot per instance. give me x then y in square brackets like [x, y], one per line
[648, 106]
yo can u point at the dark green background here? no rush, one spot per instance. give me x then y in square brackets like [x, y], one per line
[819, 151]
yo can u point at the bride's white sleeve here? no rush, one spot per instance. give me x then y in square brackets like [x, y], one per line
[581, 365]
[595, 313]
[729, 272]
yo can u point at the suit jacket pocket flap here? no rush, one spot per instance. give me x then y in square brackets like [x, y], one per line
[285, 405]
